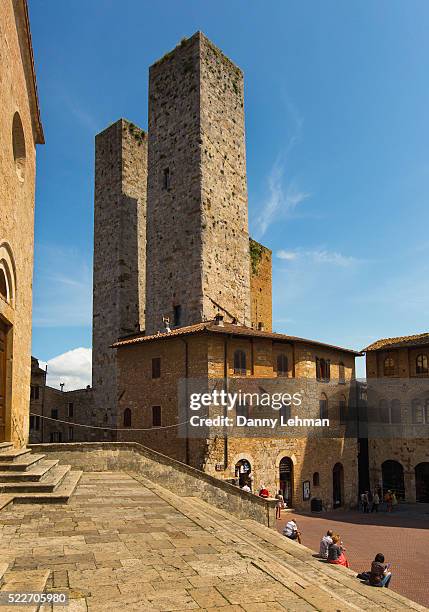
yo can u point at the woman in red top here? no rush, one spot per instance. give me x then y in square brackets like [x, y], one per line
[336, 552]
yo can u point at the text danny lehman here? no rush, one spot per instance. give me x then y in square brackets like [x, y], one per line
[243, 421]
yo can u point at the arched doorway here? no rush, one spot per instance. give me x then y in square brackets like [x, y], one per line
[286, 479]
[422, 482]
[392, 474]
[338, 485]
[242, 471]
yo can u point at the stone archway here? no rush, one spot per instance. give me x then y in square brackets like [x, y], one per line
[393, 478]
[286, 480]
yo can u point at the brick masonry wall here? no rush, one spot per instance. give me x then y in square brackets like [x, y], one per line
[197, 236]
[16, 225]
[119, 254]
[261, 286]
[206, 355]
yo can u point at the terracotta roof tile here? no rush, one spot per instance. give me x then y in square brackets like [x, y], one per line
[226, 329]
[400, 341]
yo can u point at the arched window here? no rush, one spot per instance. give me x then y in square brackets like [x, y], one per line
[18, 145]
[422, 364]
[323, 407]
[417, 412]
[389, 366]
[341, 373]
[282, 365]
[127, 417]
[3, 285]
[316, 479]
[240, 362]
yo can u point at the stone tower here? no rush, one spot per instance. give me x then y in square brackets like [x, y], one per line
[119, 254]
[197, 228]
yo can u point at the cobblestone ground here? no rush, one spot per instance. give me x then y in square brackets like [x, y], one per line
[118, 546]
[402, 536]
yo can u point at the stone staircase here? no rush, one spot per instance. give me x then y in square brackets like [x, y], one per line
[31, 478]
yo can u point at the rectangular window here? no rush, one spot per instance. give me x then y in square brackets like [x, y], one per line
[34, 422]
[343, 412]
[156, 416]
[55, 436]
[70, 410]
[177, 315]
[166, 178]
[34, 392]
[71, 434]
[54, 413]
[156, 367]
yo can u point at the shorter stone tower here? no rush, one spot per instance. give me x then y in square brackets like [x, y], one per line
[119, 255]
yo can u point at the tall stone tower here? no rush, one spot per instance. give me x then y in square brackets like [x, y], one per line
[119, 254]
[197, 229]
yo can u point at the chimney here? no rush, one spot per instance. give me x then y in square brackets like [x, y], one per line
[219, 320]
[261, 326]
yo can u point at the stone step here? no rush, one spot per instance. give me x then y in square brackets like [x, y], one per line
[53, 479]
[25, 582]
[5, 500]
[3, 568]
[13, 454]
[293, 563]
[61, 495]
[4, 446]
[21, 464]
[296, 557]
[35, 473]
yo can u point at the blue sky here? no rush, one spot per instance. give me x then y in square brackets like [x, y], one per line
[336, 99]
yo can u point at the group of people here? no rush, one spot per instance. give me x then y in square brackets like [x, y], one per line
[370, 502]
[332, 550]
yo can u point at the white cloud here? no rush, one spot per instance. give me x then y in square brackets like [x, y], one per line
[72, 368]
[318, 256]
[281, 201]
[287, 255]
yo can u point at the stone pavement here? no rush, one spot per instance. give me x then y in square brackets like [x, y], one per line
[127, 544]
[402, 536]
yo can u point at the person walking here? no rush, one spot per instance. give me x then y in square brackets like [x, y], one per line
[280, 504]
[364, 501]
[375, 502]
[394, 500]
[388, 500]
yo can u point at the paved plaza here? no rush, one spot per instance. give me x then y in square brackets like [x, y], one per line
[127, 544]
[402, 536]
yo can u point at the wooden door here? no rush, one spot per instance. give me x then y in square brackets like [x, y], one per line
[3, 345]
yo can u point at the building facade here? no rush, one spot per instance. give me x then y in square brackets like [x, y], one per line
[154, 369]
[20, 132]
[61, 416]
[398, 415]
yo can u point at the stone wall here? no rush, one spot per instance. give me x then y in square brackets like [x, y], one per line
[119, 254]
[261, 286]
[177, 477]
[205, 354]
[197, 231]
[20, 130]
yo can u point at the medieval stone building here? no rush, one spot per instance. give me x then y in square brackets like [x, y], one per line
[20, 131]
[397, 372]
[189, 296]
